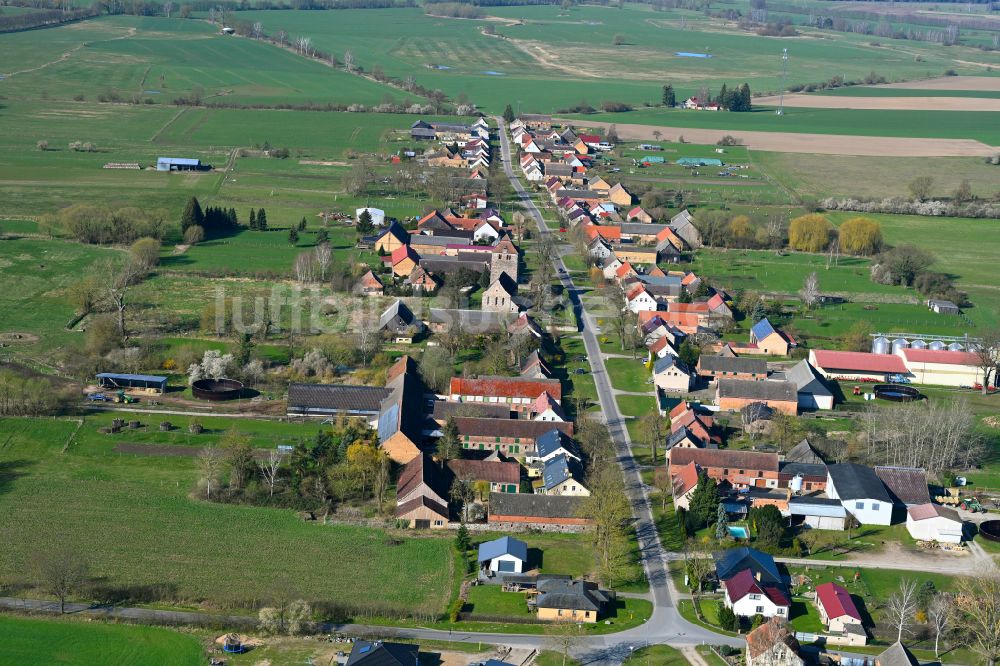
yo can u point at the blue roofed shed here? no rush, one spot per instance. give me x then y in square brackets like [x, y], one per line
[123, 381]
[503, 555]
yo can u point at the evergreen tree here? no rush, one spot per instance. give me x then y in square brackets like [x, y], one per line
[293, 236]
[322, 236]
[449, 445]
[758, 312]
[302, 223]
[742, 99]
[365, 225]
[462, 541]
[723, 97]
[192, 215]
[721, 523]
[508, 114]
[727, 618]
[234, 219]
[704, 505]
[253, 219]
[669, 96]
[262, 219]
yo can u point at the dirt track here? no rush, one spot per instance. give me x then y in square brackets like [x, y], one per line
[885, 103]
[820, 144]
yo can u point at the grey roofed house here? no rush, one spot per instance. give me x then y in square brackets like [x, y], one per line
[734, 364]
[896, 655]
[422, 134]
[561, 469]
[660, 280]
[587, 195]
[571, 594]
[730, 562]
[398, 317]
[403, 409]
[558, 170]
[552, 441]
[806, 380]
[529, 505]
[641, 229]
[444, 410]
[378, 653]
[758, 390]
[906, 485]
[854, 481]
[440, 263]
[943, 307]
[534, 366]
[334, 399]
[490, 550]
[803, 452]
[441, 238]
[683, 226]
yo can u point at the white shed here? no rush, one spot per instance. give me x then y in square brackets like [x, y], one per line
[506, 555]
[931, 522]
[378, 215]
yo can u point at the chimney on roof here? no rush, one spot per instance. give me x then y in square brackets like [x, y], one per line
[757, 576]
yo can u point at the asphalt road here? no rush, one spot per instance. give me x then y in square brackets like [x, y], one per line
[666, 625]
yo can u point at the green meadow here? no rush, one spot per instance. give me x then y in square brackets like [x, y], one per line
[157, 542]
[33, 642]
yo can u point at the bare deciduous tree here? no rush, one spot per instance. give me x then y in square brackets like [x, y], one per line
[977, 602]
[349, 60]
[118, 278]
[367, 337]
[940, 611]
[654, 428]
[987, 353]
[210, 463]
[257, 30]
[324, 256]
[270, 469]
[810, 291]
[61, 571]
[902, 607]
[167, 8]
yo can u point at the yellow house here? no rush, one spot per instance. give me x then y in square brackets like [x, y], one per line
[636, 255]
[561, 600]
[391, 239]
[598, 184]
[619, 196]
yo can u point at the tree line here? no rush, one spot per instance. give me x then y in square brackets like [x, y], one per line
[44, 18]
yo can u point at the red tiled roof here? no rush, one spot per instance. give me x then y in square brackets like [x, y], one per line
[859, 361]
[402, 252]
[716, 301]
[925, 511]
[485, 470]
[681, 320]
[688, 279]
[744, 583]
[837, 601]
[689, 308]
[636, 291]
[940, 356]
[606, 232]
[589, 138]
[658, 344]
[625, 269]
[505, 387]
[679, 409]
[685, 479]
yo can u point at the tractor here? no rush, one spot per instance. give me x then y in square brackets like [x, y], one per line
[124, 398]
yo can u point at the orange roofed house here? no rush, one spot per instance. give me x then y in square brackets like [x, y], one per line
[742, 469]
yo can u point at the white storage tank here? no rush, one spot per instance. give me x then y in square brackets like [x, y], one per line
[899, 343]
[880, 346]
[795, 484]
[956, 346]
[937, 345]
[918, 344]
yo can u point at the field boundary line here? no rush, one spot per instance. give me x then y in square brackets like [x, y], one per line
[793, 196]
[167, 124]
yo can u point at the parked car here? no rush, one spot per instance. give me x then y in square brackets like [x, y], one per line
[98, 397]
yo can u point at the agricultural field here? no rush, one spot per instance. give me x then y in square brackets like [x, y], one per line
[157, 543]
[34, 642]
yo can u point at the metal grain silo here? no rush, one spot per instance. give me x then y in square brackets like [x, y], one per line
[918, 344]
[956, 346]
[880, 346]
[899, 343]
[937, 345]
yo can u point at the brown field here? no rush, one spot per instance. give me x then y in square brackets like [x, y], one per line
[820, 144]
[987, 83]
[885, 103]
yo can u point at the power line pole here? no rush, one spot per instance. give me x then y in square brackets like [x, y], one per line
[784, 80]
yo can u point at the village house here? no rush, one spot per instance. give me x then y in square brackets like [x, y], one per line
[391, 239]
[769, 340]
[561, 600]
[836, 608]
[896, 655]
[500, 476]
[534, 367]
[400, 424]
[421, 492]
[812, 392]
[399, 322]
[907, 486]
[563, 475]
[546, 408]
[773, 644]
[403, 260]
[683, 484]
[671, 375]
[369, 285]
[549, 445]
[732, 395]
[861, 492]
[747, 596]
[422, 282]
[512, 437]
[379, 653]
[683, 225]
[741, 469]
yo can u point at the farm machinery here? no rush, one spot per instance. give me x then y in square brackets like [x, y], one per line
[121, 397]
[953, 498]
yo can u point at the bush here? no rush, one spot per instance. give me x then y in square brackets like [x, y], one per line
[729, 140]
[194, 235]
[615, 107]
[727, 618]
[809, 233]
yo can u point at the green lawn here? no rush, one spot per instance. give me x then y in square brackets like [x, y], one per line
[636, 405]
[492, 600]
[628, 375]
[29, 642]
[157, 543]
[656, 655]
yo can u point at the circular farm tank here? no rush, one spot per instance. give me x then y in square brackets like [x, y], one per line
[896, 393]
[990, 530]
[217, 389]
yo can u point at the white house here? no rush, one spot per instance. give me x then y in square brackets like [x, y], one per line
[378, 215]
[562, 476]
[640, 300]
[485, 232]
[547, 408]
[747, 596]
[836, 608]
[671, 375]
[930, 522]
[861, 492]
[503, 555]
[550, 445]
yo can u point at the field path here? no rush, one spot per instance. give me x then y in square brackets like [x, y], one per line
[884, 103]
[985, 83]
[795, 142]
[69, 54]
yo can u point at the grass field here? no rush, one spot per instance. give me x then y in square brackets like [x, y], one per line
[656, 655]
[29, 642]
[156, 541]
[979, 125]
[628, 375]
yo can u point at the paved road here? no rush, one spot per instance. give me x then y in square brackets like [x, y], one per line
[666, 625]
